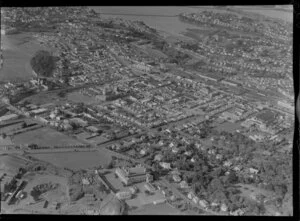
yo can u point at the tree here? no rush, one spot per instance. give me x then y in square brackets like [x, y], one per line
[24, 124]
[62, 94]
[231, 178]
[74, 125]
[216, 184]
[185, 207]
[110, 165]
[217, 172]
[43, 63]
[280, 190]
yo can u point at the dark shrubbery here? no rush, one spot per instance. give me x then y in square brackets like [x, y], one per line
[42, 188]
[43, 63]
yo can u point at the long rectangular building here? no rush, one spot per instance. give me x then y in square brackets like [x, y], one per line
[8, 117]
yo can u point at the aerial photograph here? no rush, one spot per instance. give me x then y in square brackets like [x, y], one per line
[147, 110]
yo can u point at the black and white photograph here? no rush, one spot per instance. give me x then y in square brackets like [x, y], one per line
[147, 110]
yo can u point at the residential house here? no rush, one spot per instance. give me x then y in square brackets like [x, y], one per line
[238, 212]
[183, 184]
[85, 181]
[149, 187]
[253, 171]
[191, 195]
[143, 152]
[133, 189]
[158, 157]
[237, 168]
[175, 150]
[227, 163]
[188, 153]
[196, 200]
[176, 178]
[224, 207]
[203, 203]
[165, 165]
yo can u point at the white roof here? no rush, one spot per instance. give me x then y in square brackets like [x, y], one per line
[39, 110]
[8, 117]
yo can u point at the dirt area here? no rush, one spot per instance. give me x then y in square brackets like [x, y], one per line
[44, 137]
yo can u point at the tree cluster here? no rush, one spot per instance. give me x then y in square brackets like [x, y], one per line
[43, 63]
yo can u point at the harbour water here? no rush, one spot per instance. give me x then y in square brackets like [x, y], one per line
[156, 16]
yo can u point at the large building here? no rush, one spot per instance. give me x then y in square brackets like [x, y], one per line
[133, 175]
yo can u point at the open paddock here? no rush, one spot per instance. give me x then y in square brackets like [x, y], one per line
[78, 97]
[44, 137]
[18, 49]
[76, 160]
[228, 126]
[10, 164]
[45, 98]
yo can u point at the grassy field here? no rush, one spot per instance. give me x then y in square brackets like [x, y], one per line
[6, 141]
[76, 160]
[11, 164]
[45, 98]
[155, 53]
[44, 137]
[78, 97]
[228, 126]
[10, 128]
[17, 52]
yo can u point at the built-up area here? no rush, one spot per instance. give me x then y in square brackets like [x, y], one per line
[212, 137]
